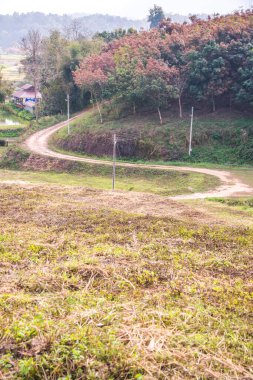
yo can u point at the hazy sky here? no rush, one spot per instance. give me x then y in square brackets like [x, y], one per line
[128, 8]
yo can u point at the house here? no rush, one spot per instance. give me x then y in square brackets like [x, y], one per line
[25, 96]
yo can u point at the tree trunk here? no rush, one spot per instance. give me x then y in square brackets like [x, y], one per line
[36, 106]
[92, 99]
[230, 102]
[160, 116]
[213, 104]
[100, 114]
[99, 110]
[134, 109]
[180, 107]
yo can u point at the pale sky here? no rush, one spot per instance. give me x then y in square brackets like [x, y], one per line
[136, 9]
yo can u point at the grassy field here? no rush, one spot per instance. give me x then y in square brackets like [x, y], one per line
[12, 68]
[2, 151]
[102, 285]
[91, 290]
[219, 138]
[150, 181]
[244, 174]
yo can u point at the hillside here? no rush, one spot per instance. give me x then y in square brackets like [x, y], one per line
[15, 27]
[92, 290]
[222, 137]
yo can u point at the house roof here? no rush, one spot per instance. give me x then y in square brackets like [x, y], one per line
[27, 86]
[26, 91]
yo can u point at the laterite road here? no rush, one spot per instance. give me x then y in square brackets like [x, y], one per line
[230, 185]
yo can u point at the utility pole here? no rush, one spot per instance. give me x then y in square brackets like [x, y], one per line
[114, 161]
[190, 142]
[67, 100]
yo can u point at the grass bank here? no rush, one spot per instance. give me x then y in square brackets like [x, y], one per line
[220, 138]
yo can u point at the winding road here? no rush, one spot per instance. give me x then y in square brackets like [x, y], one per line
[230, 185]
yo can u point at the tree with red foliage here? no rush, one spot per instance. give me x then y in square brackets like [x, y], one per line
[200, 60]
[93, 74]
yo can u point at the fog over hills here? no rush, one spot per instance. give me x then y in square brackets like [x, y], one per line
[14, 27]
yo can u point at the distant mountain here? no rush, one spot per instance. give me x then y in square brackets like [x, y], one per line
[14, 27]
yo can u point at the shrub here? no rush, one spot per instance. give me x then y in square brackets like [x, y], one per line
[23, 114]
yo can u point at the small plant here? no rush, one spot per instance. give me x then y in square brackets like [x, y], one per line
[146, 278]
[23, 114]
[27, 368]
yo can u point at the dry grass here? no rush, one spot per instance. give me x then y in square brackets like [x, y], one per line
[12, 68]
[89, 292]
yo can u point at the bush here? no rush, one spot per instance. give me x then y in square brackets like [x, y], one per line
[14, 157]
[23, 114]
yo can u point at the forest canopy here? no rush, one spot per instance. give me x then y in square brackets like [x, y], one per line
[207, 61]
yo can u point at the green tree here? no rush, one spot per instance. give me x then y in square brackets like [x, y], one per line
[156, 15]
[60, 57]
[153, 85]
[115, 35]
[210, 74]
[31, 45]
[5, 87]
[244, 86]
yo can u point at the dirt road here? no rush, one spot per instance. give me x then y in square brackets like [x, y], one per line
[230, 185]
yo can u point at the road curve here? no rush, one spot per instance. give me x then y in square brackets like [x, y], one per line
[230, 185]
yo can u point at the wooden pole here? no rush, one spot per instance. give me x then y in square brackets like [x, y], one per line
[68, 114]
[190, 143]
[114, 161]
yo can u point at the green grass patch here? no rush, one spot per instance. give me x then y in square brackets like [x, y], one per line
[235, 202]
[167, 183]
[6, 132]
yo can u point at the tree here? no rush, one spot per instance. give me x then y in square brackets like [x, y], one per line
[53, 84]
[32, 47]
[154, 84]
[244, 88]
[179, 78]
[59, 58]
[124, 82]
[156, 15]
[175, 54]
[75, 30]
[115, 35]
[210, 74]
[93, 75]
[54, 50]
[5, 87]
